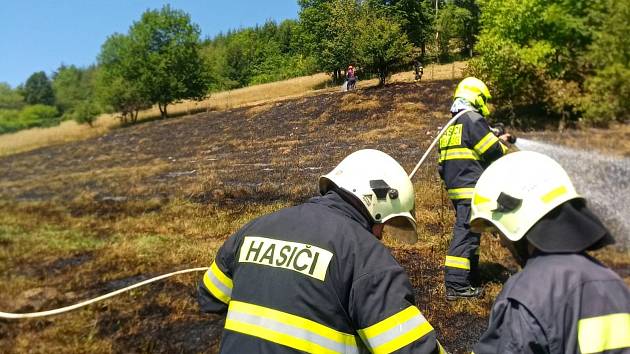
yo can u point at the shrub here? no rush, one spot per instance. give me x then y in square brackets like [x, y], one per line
[39, 115]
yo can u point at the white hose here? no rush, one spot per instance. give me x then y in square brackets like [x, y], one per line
[100, 298]
[148, 281]
[426, 153]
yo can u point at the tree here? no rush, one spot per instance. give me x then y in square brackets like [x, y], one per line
[381, 44]
[9, 98]
[158, 62]
[331, 32]
[38, 90]
[534, 53]
[86, 112]
[451, 24]
[72, 86]
[165, 49]
[117, 80]
[470, 25]
[416, 18]
[608, 89]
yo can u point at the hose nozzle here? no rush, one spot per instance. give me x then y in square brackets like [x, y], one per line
[499, 129]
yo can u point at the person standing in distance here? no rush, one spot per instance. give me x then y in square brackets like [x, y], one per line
[466, 148]
[315, 278]
[564, 300]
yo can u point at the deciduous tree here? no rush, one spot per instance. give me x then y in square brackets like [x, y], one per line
[38, 90]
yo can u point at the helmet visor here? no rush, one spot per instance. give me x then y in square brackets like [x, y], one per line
[400, 229]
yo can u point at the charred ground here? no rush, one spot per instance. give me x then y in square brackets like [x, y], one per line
[88, 217]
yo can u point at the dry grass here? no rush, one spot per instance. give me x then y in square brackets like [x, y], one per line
[61, 230]
[247, 96]
[259, 96]
[65, 132]
[254, 95]
[352, 102]
[614, 140]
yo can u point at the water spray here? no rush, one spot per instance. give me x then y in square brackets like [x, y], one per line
[601, 178]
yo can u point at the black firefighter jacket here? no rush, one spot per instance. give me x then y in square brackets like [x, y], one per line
[560, 303]
[467, 147]
[312, 278]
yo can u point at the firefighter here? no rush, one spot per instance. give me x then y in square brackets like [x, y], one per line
[563, 301]
[466, 148]
[315, 278]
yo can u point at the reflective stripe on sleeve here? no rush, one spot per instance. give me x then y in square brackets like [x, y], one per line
[457, 262]
[396, 331]
[598, 334]
[219, 284]
[458, 154]
[287, 329]
[485, 143]
[460, 193]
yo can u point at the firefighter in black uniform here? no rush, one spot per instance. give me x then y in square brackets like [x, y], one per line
[563, 301]
[466, 148]
[314, 278]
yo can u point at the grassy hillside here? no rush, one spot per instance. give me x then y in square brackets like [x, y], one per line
[254, 95]
[90, 216]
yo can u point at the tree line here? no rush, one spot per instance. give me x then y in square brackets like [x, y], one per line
[563, 59]
[566, 59]
[162, 59]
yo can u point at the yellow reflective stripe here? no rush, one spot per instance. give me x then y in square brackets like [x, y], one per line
[597, 334]
[460, 193]
[555, 193]
[457, 262]
[504, 148]
[294, 321]
[396, 331]
[458, 154]
[485, 143]
[221, 276]
[479, 199]
[219, 284]
[276, 337]
[405, 339]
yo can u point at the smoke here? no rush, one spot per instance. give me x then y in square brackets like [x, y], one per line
[604, 180]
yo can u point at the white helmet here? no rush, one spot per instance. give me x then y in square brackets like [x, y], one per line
[518, 190]
[379, 182]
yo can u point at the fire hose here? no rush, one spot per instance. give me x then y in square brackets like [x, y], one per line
[9, 315]
[498, 130]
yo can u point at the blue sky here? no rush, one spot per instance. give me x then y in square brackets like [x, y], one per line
[40, 35]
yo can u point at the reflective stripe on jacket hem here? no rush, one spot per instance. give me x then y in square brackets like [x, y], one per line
[457, 262]
[598, 334]
[396, 331]
[219, 284]
[287, 329]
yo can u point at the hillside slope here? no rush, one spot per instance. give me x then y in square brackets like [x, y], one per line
[87, 217]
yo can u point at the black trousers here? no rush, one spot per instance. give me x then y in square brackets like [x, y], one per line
[462, 260]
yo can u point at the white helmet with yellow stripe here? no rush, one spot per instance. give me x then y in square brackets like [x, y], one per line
[518, 190]
[379, 183]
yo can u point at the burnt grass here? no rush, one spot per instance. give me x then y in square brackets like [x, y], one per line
[227, 160]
